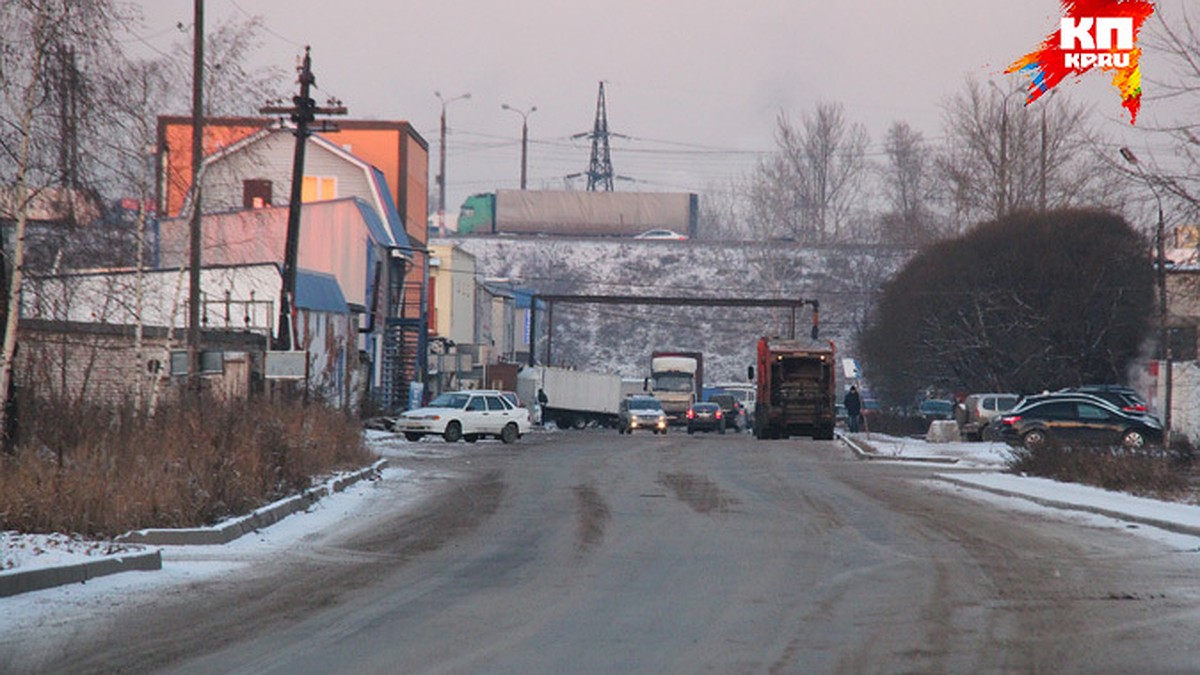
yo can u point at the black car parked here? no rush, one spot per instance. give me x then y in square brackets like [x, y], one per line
[1077, 419]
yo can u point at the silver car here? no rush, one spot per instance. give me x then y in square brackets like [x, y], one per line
[977, 412]
[641, 412]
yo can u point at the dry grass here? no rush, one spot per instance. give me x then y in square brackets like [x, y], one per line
[1154, 473]
[103, 471]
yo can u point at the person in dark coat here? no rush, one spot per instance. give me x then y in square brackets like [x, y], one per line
[853, 405]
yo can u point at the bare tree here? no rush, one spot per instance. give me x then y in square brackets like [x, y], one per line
[809, 189]
[721, 217]
[1178, 38]
[906, 176]
[36, 33]
[1001, 157]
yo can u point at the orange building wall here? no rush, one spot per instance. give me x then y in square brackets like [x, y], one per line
[175, 146]
[395, 148]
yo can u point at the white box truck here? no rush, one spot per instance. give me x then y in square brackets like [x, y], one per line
[574, 398]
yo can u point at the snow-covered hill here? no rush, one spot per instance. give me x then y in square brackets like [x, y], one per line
[619, 338]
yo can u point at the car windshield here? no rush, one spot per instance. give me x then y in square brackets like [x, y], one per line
[937, 406]
[451, 400]
[644, 404]
[705, 407]
[673, 383]
[740, 394]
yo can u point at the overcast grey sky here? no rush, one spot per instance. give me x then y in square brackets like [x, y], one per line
[696, 85]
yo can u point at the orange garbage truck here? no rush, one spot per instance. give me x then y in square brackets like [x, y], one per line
[796, 389]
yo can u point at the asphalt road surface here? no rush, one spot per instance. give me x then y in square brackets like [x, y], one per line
[592, 552]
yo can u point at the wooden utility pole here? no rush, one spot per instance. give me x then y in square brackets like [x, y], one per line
[303, 112]
[193, 334]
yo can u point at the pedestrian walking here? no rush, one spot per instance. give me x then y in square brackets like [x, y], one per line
[853, 405]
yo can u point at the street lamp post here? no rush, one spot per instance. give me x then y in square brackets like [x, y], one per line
[1003, 168]
[524, 134]
[441, 177]
[1163, 336]
[1042, 157]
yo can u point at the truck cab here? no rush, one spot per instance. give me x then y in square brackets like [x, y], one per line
[675, 381]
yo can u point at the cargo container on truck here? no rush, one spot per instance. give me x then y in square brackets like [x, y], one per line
[577, 213]
[676, 379]
[796, 393]
[574, 398]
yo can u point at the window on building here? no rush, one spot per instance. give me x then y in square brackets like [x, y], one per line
[256, 193]
[318, 189]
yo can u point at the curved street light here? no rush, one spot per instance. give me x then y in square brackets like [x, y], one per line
[441, 178]
[1163, 336]
[1003, 169]
[524, 133]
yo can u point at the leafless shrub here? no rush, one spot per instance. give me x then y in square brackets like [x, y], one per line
[110, 470]
[1153, 472]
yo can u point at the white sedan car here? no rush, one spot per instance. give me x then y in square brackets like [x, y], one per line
[670, 235]
[469, 415]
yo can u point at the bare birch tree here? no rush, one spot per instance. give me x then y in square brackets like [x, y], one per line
[35, 31]
[809, 190]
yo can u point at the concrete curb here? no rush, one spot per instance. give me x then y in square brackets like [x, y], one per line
[860, 453]
[1178, 528]
[264, 517]
[14, 582]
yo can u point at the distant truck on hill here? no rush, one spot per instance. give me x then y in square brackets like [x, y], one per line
[578, 213]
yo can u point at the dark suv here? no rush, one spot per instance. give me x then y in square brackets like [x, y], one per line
[1077, 418]
[731, 410]
[1124, 398]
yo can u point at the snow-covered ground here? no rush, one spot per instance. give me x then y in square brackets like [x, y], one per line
[984, 455]
[29, 613]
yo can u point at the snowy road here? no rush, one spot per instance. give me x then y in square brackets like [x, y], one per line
[592, 552]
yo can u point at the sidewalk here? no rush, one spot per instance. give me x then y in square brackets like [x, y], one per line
[1170, 516]
[71, 564]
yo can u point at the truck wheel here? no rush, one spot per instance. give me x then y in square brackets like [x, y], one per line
[509, 434]
[453, 432]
